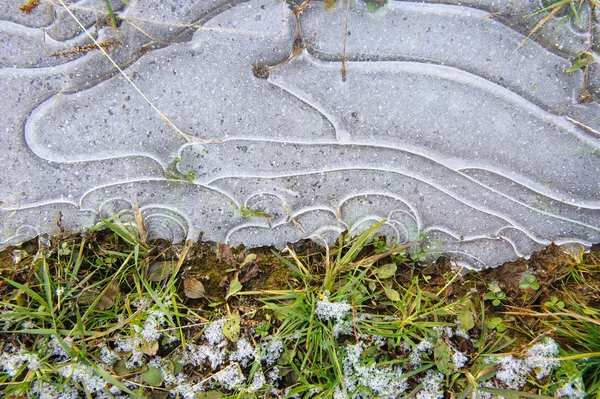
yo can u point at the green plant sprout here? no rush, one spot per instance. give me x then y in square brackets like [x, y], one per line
[529, 282]
[496, 323]
[555, 303]
[495, 294]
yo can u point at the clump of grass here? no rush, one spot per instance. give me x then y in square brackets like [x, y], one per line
[113, 315]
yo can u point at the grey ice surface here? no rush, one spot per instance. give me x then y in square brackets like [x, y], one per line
[445, 127]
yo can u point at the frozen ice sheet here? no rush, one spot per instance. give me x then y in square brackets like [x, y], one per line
[445, 127]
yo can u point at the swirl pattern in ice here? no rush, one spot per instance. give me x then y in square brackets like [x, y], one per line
[444, 127]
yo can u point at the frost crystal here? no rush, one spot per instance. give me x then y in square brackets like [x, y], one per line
[383, 381]
[244, 353]
[271, 350]
[540, 357]
[459, 359]
[432, 386]
[230, 377]
[214, 332]
[85, 375]
[12, 363]
[573, 389]
[512, 371]
[326, 310]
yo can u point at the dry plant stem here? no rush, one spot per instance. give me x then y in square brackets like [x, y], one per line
[584, 95]
[163, 116]
[530, 313]
[581, 125]
[345, 40]
[551, 14]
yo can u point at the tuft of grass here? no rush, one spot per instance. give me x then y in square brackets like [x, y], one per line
[112, 314]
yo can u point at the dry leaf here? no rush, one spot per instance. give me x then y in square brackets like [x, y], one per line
[150, 348]
[226, 255]
[250, 272]
[193, 288]
[108, 299]
[159, 271]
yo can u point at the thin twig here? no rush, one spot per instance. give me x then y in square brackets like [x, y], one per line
[345, 40]
[154, 107]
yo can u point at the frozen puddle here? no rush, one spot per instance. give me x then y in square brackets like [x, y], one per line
[444, 126]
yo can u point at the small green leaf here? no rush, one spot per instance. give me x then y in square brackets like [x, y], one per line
[191, 176]
[501, 327]
[246, 213]
[577, 65]
[442, 355]
[465, 316]
[392, 294]
[490, 296]
[249, 258]
[120, 367]
[535, 286]
[496, 302]
[263, 329]
[387, 271]
[234, 287]
[152, 376]
[231, 328]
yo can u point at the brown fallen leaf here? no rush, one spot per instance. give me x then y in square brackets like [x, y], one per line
[150, 348]
[159, 271]
[193, 288]
[108, 299]
[226, 255]
[250, 271]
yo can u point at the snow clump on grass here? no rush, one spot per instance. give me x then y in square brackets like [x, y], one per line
[432, 386]
[12, 362]
[337, 311]
[424, 347]
[258, 382]
[383, 381]
[459, 359]
[107, 355]
[43, 390]
[230, 377]
[150, 332]
[540, 357]
[572, 389]
[132, 345]
[214, 332]
[244, 354]
[55, 348]
[84, 375]
[271, 350]
[512, 371]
